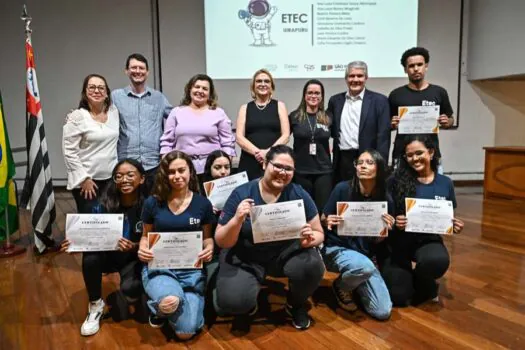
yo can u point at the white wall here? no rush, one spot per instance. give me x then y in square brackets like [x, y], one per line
[72, 39]
[496, 38]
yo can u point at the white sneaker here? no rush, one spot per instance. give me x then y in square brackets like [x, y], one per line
[92, 323]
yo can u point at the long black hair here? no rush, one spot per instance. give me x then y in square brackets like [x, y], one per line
[110, 197]
[405, 177]
[379, 193]
[209, 162]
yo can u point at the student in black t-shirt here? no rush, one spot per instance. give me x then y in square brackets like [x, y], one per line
[417, 177]
[351, 256]
[418, 92]
[125, 194]
[311, 126]
[243, 264]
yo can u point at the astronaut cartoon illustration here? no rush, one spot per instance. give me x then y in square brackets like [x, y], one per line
[257, 17]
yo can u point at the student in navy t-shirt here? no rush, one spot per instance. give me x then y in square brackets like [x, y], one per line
[417, 177]
[351, 256]
[176, 206]
[243, 264]
[125, 194]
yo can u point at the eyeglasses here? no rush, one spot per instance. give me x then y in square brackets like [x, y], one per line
[119, 177]
[363, 161]
[418, 154]
[93, 88]
[280, 168]
[313, 93]
[260, 81]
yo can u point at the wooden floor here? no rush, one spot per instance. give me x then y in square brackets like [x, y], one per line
[43, 300]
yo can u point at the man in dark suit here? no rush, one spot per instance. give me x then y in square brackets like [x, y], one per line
[361, 121]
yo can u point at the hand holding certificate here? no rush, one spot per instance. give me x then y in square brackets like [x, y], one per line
[429, 216]
[418, 120]
[277, 221]
[175, 250]
[362, 219]
[220, 189]
[93, 232]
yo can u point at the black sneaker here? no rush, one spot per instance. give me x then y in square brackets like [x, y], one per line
[156, 322]
[300, 318]
[344, 298]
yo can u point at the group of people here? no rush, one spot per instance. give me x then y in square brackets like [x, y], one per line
[130, 151]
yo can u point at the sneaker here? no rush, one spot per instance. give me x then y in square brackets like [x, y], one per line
[300, 318]
[156, 321]
[344, 298]
[92, 323]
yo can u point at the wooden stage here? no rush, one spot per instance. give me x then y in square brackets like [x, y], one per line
[43, 301]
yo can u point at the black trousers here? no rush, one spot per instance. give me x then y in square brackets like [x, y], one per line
[125, 263]
[85, 206]
[345, 168]
[318, 186]
[413, 286]
[239, 282]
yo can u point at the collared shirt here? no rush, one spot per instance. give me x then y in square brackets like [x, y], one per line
[141, 124]
[350, 117]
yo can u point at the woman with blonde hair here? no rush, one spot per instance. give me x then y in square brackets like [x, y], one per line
[261, 124]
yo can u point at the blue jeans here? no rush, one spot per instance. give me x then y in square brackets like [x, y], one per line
[188, 286]
[359, 274]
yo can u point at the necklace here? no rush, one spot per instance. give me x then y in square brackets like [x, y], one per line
[101, 117]
[259, 107]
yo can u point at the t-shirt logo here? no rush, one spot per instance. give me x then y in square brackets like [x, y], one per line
[195, 221]
[440, 198]
[428, 103]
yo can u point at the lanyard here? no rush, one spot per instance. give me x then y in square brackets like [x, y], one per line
[312, 128]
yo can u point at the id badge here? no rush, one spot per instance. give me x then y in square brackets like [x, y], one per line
[313, 149]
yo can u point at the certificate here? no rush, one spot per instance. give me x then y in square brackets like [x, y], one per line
[362, 219]
[220, 189]
[175, 250]
[418, 120]
[277, 221]
[93, 232]
[429, 216]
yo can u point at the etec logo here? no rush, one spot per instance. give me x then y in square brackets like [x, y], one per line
[309, 67]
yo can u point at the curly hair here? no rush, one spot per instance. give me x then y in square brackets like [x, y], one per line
[212, 98]
[381, 176]
[405, 177]
[110, 197]
[162, 187]
[415, 51]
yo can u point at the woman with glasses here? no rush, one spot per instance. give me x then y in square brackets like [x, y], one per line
[124, 195]
[261, 123]
[311, 130]
[89, 143]
[198, 126]
[352, 256]
[417, 177]
[243, 264]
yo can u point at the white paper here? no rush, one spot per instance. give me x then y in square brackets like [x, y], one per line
[277, 221]
[175, 250]
[93, 232]
[429, 216]
[418, 120]
[220, 189]
[362, 219]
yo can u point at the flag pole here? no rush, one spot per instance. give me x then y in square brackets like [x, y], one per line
[9, 249]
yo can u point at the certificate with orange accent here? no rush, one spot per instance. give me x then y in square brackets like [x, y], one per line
[362, 219]
[175, 250]
[93, 232]
[220, 189]
[429, 216]
[418, 120]
[277, 221]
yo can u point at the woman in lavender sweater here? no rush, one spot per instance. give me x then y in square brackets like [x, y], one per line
[198, 127]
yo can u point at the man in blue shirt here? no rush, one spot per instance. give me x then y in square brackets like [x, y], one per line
[142, 112]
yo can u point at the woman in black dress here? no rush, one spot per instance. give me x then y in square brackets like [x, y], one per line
[261, 123]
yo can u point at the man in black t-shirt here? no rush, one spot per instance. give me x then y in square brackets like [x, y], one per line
[418, 92]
